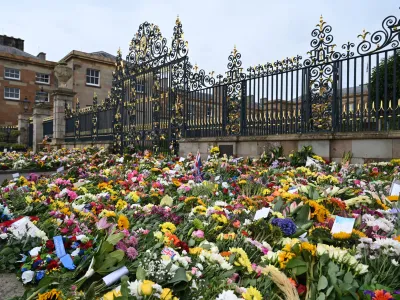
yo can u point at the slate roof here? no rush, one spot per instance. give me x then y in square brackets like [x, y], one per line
[15, 51]
[104, 54]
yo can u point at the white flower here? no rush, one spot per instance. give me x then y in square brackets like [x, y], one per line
[27, 276]
[3, 236]
[76, 252]
[35, 251]
[227, 295]
[394, 262]
[225, 185]
[134, 288]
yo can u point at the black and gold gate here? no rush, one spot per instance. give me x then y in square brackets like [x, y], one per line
[148, 91]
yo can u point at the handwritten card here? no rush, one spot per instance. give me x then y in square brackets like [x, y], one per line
[343, 225]
[395, 189]
[5, 150]
[182, 159]
[15, 175]
[262, 213]
[60, 169]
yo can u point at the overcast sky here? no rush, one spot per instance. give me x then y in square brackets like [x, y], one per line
[263, 30]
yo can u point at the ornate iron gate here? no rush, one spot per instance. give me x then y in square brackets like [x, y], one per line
[148, 89]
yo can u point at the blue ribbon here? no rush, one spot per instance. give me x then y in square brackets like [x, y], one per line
[65, 258]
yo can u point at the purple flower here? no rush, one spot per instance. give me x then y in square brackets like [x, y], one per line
[287, 226]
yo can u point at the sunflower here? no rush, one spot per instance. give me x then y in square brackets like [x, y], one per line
[50, 295]
[123, 222]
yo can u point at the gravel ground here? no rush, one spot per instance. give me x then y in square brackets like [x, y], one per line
[10, 287]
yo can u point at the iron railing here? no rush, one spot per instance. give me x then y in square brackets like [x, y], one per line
[158, 96]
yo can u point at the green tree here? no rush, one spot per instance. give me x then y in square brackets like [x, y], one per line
[378, 75]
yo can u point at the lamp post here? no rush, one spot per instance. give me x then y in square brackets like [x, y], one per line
[26, 104]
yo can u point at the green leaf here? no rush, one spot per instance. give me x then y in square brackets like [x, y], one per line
[115, 238]
[278, 204]
[191, 242]
[302, 215]
[329, 290]
[348, 278]
[295, 262]
[124, 288]
[321, 296]
[180, 276]
[300, 270]
[140, 273]
[322, 283]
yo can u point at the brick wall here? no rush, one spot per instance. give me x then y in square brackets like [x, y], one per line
[9, 109]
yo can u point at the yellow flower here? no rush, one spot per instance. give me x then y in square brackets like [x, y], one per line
[220, 218]
[341, 235]
[359, 233]
[168, 227]
[252, 294]
[121, 204]
[111, 295]
[147, 287]
[195, 251]
[319, 211]
[166, 294]
[309, 247]
[107, 213]
[123, 222]
[242, 259]
[50, 295]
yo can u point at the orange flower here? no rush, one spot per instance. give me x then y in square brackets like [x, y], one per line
[292, 282]
[382, 295]
[225, 253]
[172, 238]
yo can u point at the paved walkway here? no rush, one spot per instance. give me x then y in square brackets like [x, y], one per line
[10, 286]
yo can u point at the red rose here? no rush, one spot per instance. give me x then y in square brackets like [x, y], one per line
[50, 245]
[52, 264]
[301, 289]
[225, 191]
[183, 246]
[86, 245]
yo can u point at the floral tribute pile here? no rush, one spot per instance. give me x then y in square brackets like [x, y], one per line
[140, 226]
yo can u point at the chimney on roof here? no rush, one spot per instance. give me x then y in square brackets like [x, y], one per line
[12, 42]
[41, 56]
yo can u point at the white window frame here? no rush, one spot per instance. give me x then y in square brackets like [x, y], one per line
[42, 82]
[12, 98]
[12, 78]
[48, 96]
[92, 84]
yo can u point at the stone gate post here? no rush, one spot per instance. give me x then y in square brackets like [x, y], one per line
[40, 111]
[23, 128]
[62, 97]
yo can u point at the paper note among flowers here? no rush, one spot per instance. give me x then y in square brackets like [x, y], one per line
[115, 276]
[394, 190]
[262, 213]
[343, 225]
[15, 175]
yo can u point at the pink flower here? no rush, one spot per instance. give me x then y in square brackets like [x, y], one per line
[102, 224]
[131, 253]
[198, 234]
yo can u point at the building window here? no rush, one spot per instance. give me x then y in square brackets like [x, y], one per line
[93, 77]
[12, 74]
[42, 96]
[42, 78]
[11, 93]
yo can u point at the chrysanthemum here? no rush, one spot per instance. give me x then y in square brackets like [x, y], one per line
[131, 253]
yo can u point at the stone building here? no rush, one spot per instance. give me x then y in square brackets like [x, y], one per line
[92, 73]
[22, 76]
[27, 77]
